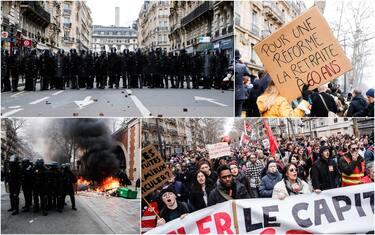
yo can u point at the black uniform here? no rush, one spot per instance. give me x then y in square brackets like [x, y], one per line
[114, 69]
[60, 72]
[27, 183]
[14, 181]
[75, 66]
[68, 179]
[14, 69]
[101, 65]
[5, 81]
[40, 188]
[90, 66]
[46, 70]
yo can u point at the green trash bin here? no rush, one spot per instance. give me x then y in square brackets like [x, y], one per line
[123, 192]
[132, 194]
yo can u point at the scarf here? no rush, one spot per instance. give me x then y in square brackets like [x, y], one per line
[289, 187]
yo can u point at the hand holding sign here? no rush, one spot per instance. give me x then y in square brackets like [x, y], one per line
[303, 51]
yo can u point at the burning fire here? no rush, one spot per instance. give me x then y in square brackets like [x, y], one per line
[108, 183]
[81, 180]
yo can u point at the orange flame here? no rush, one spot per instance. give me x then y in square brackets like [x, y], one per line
[108, 183]
[83, 181]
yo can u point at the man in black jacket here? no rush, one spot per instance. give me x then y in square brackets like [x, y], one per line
[227, 189]
[357, 105]
[173, 209]
[321, 103]
[325, 173]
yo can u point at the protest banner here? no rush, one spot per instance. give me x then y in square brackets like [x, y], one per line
[154, 171]
[343, 210]
[303, 51]
[218, 150]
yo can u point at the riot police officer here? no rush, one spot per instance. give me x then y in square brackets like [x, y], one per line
[82, 80]
[183, 70]
[15, 68]
[124, 68]
[5, 81]
[68, 181]
[74, 64]
[114, 69]
[196, 69]
[90, 66]
[14, 181]
[60, 70]
[27, 183]
[101, 66]
[30, 69]
[40, 187]
[53, 180]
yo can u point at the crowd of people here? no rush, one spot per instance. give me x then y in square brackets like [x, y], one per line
[299, 166]
[129, 69]
[261, 98]
[44, 186]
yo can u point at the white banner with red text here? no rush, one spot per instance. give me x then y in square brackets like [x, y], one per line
[342, 210]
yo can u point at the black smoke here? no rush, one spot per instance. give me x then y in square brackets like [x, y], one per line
[95, 143]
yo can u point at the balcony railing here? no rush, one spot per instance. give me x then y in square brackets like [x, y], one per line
[197, 12]
[67, 11]
[68, 39]
[36, 12]
[272, 9]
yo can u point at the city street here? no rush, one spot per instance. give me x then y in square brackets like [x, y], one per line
[95, 214]
[117, 102]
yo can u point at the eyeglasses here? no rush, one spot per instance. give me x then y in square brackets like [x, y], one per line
[292, 170]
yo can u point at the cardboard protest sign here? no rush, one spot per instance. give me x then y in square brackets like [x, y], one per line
[303, 51]
[339, 211]
[154, 171]
[218, 150]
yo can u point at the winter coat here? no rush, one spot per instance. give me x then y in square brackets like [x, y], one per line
[268, 183]
[240, 71]
[325, 174]
[317, 106]
[367, 112]
[357, 105]
[196, 197]
[241, 178]
[280, 188]
[239, 192]
[280, 108]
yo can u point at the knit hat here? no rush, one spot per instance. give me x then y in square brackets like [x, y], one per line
[167, 189]
[370, 92]
[323, 148]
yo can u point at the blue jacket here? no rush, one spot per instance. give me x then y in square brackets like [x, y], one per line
[240, 71]
[267, 184]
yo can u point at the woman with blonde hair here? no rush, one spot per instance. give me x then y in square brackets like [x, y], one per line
[271, 104]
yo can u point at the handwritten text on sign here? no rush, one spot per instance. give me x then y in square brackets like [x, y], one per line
[218, 150]
[154, 171]
[303, 51]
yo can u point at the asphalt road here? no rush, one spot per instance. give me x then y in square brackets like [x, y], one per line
[96, 214]
[118, 103]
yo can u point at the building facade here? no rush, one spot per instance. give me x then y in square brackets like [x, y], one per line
[111, 36]
[173, 135]
[76, 26]
[45, 25]
[255, 20]
[153, 25]
[197, 26]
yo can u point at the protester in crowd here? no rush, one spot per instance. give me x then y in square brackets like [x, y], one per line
[179, 188]
[271, 104]
[369, 154]
[300, 166]
[325, 173]
[357, 104]
[269, 181]
[173, 209]
[227, 188]
[322, 103]
[240, 177]
[253, 170]
[369, 178]
[240, 91]
[369, 110]
[205, 166]
[352, 166]
[200, 190]
[290, 185]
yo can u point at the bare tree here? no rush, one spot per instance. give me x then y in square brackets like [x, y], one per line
[12, 126]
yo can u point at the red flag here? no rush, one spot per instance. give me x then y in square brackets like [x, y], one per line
[271, 138]
[247, 126]
[244, 138]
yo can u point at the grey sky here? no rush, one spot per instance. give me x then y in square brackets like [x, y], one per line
[103, 11]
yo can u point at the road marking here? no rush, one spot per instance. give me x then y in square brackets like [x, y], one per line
[14, 107]
[11, 112]
[209, 100]
[82, 103]
[18, 93]
[40, 100]
[144, 111]
[59, 92]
